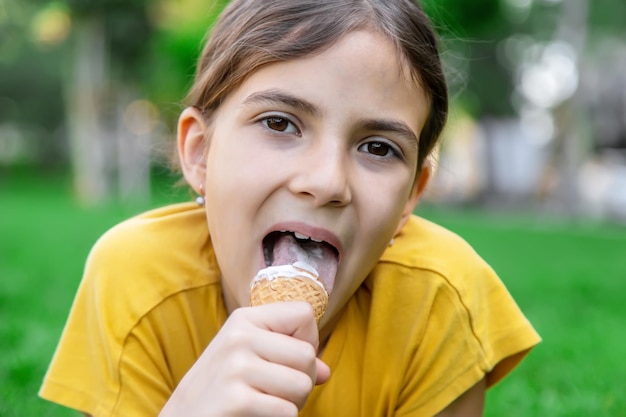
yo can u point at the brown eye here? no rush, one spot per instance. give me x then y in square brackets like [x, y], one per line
[277, 123]
[280, 124]
[379, 148]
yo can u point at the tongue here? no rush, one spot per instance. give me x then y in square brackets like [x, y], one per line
[288, 250]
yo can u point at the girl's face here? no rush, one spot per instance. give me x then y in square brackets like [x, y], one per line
[323, 147]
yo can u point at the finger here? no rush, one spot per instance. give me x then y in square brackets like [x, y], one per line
[247, 402]
[266, 405]
[292, 318]
[322, 372]
[286, 350]
[281, 381]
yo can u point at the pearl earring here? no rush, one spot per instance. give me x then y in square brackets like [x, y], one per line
[391, 242]
[200, 199]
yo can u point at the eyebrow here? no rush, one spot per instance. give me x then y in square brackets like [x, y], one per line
[280, 97]
[392, 126]
[274, 96]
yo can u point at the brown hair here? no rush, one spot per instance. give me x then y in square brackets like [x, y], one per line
[253, 33]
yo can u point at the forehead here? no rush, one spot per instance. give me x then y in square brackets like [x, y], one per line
[361, 73]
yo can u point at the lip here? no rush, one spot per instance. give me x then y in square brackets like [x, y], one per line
[316, 233]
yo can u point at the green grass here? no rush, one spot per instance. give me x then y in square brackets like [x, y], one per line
[569, 278]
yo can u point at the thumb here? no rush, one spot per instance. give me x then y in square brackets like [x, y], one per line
[322, 373]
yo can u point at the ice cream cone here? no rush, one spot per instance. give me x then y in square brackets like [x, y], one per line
[289, 283]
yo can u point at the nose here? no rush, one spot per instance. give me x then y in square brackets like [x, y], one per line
[322, 174]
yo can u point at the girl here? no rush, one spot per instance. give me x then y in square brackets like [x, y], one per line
[308, 128]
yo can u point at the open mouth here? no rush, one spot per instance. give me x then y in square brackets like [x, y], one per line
[286, 248]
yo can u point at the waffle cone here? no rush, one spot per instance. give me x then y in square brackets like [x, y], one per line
[297, 288]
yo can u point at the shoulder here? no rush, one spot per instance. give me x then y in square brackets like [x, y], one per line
[430, 273]
[145, 282]
[426, 249]
[424, 244]
[140, 262]
[428, 263]
[174, 236]
[179, 223]
[435, 283]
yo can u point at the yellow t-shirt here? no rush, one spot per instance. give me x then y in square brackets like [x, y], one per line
[430, 321]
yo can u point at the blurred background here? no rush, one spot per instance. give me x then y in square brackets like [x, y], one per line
[531, 171]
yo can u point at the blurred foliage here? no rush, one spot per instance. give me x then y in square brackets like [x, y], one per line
[151, 49]
[474, 30]
[607, 17]
[127, 26]
[153, 44]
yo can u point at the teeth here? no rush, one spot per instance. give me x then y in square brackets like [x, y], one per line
[300, 236]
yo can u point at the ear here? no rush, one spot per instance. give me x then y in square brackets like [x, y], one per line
[192, 145]
[416, 193]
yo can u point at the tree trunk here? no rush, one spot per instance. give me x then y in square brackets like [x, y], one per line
[85, 95]
[134, 133]
[571, 146]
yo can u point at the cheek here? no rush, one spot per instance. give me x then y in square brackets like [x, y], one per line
[384, 203]
[378, 218]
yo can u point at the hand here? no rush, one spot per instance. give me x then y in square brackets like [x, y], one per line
[263, 362]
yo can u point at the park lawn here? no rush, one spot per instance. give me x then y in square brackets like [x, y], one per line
[569, 279]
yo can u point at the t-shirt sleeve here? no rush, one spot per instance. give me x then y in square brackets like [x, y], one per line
[134, 329]
[105, 353]
[83, 374]
[474, 330]
[108, 378]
